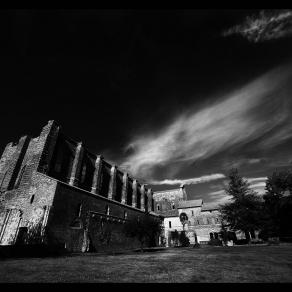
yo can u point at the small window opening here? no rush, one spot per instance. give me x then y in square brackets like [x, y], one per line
[79, 209]
[107, 210]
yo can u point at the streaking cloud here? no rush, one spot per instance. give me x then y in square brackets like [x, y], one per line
[265, 26]
[257, 184]
[233, 120]
[256, 179]
[190, 181]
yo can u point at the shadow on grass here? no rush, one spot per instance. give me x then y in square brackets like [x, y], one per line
[150, 249]
[31, 251]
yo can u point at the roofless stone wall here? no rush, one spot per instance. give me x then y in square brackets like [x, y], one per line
[54, 181]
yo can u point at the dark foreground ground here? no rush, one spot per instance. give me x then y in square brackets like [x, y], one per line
[208, 264]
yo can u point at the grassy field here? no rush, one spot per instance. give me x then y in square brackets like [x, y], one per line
[209, 264]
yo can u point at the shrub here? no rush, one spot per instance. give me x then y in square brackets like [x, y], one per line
[144, 229]
[183, 239]
[215, 242]
[241, 241]
[196, 245]
[273, 241]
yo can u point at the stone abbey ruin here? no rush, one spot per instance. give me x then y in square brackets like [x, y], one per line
[53, 188]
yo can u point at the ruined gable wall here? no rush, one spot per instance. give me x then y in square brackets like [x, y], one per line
[27, 205]
[25, 193]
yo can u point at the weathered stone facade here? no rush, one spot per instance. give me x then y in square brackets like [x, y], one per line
[203, 219]
[76, 197]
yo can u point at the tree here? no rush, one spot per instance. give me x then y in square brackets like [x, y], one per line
[224, 232]
[174, 237]
[243, 212]
[277, 211]
[183, 239]
[144, 229]
[183, 219]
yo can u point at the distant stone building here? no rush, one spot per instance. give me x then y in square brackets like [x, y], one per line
[203, 221]
[54, 184]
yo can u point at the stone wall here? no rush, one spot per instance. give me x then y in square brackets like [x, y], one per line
[25, 194]
[26, 206]
[53, 181]
[78, 216]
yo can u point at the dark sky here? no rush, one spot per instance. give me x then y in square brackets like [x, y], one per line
[166, 94]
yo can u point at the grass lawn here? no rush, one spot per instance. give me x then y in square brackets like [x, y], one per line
[207, 264]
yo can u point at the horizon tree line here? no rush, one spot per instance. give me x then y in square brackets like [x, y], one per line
[247, 211]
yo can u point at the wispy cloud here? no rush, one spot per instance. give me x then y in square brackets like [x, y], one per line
[190, 181]
[256, 179]
[219, 197]
[267, 25]
[259, 188]
[257, 184]
[254, 160]
[278, 137]
[237, 163]
[233, 120]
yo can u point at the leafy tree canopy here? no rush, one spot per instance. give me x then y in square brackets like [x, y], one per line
[144, 229]
[242, 213]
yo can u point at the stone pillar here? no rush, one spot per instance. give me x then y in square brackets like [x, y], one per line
[143, 197]
[149, 195]
[95, 188]
[76, 168]
[15, 165]
[48, 138]
[112, 186]
[134, 194]
[45, 220]
[125, 188]
[183, 190]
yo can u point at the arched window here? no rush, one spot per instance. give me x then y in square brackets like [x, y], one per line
[173, 206]
[125, 214]
[158, 207]
[20, 177]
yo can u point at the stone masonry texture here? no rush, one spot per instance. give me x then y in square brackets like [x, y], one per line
[53, 184]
